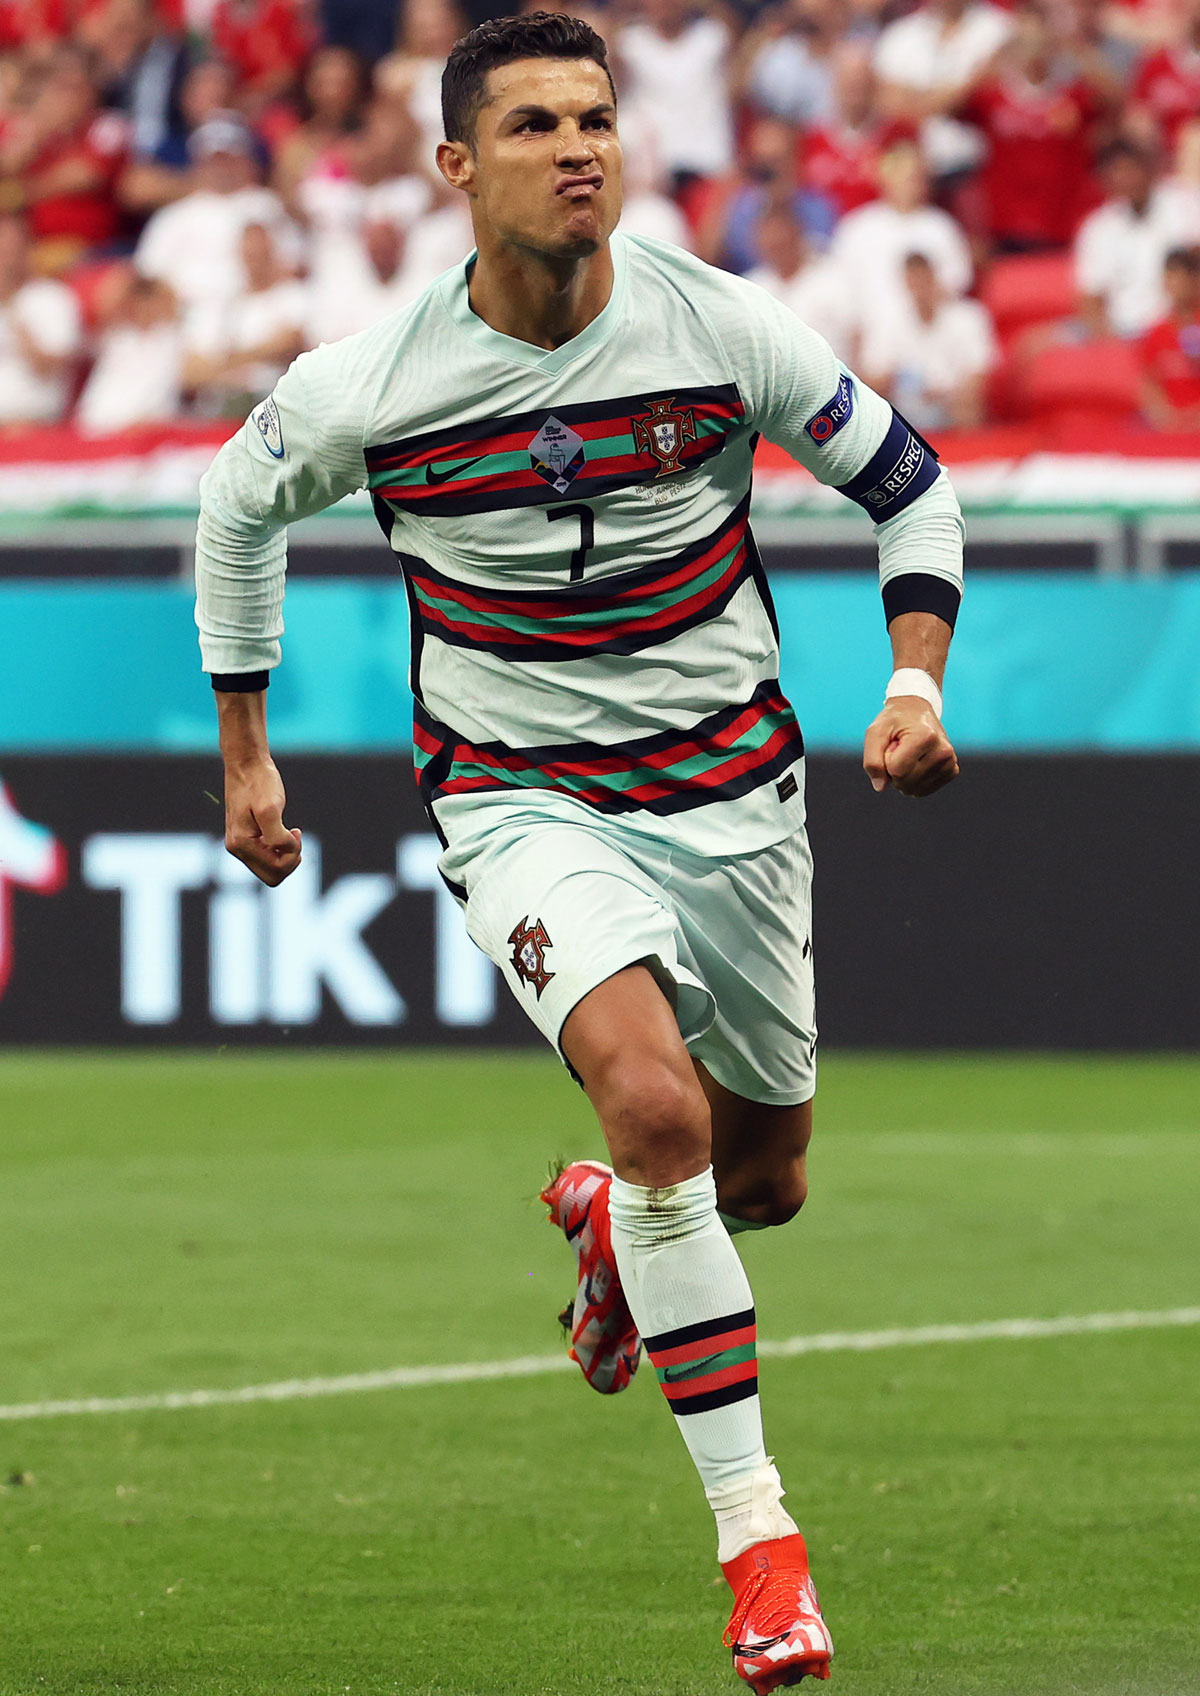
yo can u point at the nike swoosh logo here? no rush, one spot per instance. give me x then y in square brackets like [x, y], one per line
[432, 476]
[693, 1369]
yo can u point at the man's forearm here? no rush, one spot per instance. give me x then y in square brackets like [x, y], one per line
[920, 639]
[242, 725]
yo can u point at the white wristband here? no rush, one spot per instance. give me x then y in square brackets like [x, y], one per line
[910, 680]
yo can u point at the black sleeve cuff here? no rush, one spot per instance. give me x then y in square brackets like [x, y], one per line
[919, 591]
[241, 682]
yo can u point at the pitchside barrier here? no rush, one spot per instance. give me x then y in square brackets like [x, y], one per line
[1050, 898]
[1042, 901]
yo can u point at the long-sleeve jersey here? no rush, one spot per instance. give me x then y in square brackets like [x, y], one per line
[589, 613]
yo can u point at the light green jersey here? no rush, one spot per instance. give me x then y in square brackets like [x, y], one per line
[590, 617]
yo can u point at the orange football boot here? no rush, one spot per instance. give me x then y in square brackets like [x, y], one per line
[604, 1338]
[776, 1631]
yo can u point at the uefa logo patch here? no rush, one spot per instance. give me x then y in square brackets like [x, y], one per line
[834, 414]
[266, 417]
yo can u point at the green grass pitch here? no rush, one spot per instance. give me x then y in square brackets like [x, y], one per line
[994, 1518]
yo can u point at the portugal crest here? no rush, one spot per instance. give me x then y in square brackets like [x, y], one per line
[529, 945]
[662, 432]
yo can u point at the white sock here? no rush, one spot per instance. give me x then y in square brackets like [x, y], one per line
[750, 1510]
[691, 1301]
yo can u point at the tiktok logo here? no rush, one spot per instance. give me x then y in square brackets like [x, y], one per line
[30, 858]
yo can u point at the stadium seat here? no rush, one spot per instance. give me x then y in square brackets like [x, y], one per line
[1099, 378]
[1028, 288]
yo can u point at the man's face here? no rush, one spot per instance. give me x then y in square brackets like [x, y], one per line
[224, 172]
[1129, 178]
[544, 173]
[1182, 284]
[922, 284]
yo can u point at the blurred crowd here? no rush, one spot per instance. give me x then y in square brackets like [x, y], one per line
[193, 191]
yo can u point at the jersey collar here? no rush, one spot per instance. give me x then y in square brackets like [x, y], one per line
[453, 289]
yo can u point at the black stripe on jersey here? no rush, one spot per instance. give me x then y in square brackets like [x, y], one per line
[588, 412]
[628, 640]
[759, 573]
[587, 486]
[902, 467]
[756, 773]
[636, 580]
[920, 591]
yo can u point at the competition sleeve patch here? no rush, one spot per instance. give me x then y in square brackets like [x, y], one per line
[902, 467]
[834, 415]
[265, 418]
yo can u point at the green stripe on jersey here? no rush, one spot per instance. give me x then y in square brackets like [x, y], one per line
[695, 764]
[616, 612]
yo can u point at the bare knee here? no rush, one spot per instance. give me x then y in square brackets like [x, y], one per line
[624, 1044]
[764, 1198]
[655, 1119]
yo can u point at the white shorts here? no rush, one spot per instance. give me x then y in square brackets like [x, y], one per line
[561, 905]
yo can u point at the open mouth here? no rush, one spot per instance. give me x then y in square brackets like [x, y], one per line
[581, 187]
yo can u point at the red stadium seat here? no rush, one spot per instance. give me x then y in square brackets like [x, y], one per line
[1029, 288]
[1100, 378]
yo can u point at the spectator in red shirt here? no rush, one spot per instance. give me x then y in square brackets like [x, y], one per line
[35, 26]
[1170, 352]
[1040, 115]
[840, 159]
[266, 42]
[67, 155]
[1166, 91]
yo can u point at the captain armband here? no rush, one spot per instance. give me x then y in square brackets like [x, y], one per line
[901, 468]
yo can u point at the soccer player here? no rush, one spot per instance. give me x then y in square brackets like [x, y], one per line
[558, 437]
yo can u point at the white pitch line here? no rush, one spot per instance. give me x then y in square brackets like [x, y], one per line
[535, 1365]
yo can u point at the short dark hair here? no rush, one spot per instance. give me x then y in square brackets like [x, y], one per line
[500, 41]
[1183, 259]
[1122, 148]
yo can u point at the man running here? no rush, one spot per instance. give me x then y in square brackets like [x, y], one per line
[558, 437]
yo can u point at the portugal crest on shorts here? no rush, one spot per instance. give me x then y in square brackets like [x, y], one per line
[529, 945]
[662, 432]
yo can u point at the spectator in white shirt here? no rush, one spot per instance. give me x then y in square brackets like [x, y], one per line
[377, 184]
[646, 208]
[931, 356]
[676, 75]
[193, 245]
[399, 261]
[808, 284]
[1121, 247]
[413, 73]
[369, 291]
[247, 345]
[40, 335]
[927, 62]
[872, 243]
[138, 374]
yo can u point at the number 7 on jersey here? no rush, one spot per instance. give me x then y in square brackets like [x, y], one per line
[587, 535]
